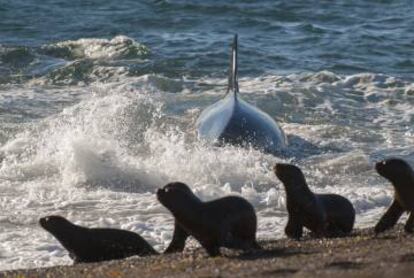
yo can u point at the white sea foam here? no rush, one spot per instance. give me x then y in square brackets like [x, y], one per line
[93, 48]
[99, 160]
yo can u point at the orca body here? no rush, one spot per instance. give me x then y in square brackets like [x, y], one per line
[234, 121]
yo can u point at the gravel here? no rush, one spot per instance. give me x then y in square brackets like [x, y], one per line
[360, 255]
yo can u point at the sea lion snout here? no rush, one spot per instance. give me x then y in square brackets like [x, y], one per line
[379, 166]
[47, 221]
[53, 222]
[43, 221]
[280, 167]
[165, 193]
[387, 168]
[160, 193]
[393, 169]
[287, 172]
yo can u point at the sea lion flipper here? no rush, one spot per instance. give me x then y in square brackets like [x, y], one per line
[212, 249]
[178, 241]
[390, 217]
[74, 258]
[409, 225]
[294, 227]
[241, 243]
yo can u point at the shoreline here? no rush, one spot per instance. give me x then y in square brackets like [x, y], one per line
[361, 254]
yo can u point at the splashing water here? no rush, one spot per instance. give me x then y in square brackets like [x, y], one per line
[99, 160]
[99, 113]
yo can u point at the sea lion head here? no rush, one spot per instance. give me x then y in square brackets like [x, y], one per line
[394, 170]
[54, 224]
[176, 195]
[288, 174]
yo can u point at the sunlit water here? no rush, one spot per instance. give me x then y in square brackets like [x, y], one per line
[99, 113]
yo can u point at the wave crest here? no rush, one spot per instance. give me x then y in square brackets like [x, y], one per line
[119, 47]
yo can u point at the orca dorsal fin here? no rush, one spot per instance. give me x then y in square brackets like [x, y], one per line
[233, 82]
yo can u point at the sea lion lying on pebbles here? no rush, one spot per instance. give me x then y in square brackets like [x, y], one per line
[325, 215]
[94, 245]
[226, 222]
[401, 176]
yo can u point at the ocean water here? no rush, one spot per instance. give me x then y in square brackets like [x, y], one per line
[98, 103]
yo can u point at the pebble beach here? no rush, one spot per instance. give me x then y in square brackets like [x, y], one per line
[359, 255]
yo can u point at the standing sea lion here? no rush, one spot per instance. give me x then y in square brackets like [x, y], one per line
[227, 222]
[327, 215]
[401, 175]
[94, 245]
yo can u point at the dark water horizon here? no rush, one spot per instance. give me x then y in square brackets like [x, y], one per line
[191, 38]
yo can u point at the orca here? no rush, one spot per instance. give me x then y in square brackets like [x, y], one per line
[234, 121]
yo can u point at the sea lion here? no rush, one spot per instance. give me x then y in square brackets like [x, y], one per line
[401, 176]
[325, 215]
[226, 222]
[94, 245]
